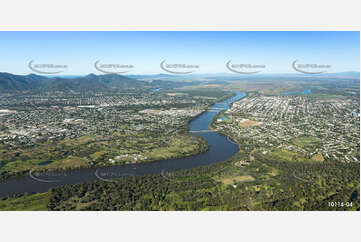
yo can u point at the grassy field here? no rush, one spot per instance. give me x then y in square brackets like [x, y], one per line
[306, 142]
[235, 179]
[34, 202]
[318, 157]
[91, 150]
[286, 155]
[248, 123]
[178, 147]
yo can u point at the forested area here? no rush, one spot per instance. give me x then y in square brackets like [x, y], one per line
[276, 185]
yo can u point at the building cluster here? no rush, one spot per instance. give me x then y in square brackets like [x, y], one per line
[40, 119]
[305, 124]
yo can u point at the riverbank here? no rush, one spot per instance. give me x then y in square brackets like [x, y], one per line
[220, 149]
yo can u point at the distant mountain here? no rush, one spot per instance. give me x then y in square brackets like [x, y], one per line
[10, 82]
[349, 74]
[67, 76]
[168, 84]
[151, 76]
[228, 76]
[99, 83]
[91, 82]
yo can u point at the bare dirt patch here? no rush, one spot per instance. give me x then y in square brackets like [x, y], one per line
[246, 123]
[318, 157]
[232, 180]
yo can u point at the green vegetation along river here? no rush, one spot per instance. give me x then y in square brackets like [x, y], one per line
[220, 149]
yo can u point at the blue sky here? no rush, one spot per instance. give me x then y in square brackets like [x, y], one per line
[209, 50]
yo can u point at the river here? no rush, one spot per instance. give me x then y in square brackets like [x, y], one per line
[220, 149]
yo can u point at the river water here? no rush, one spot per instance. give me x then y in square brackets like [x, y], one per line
[220, 149]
